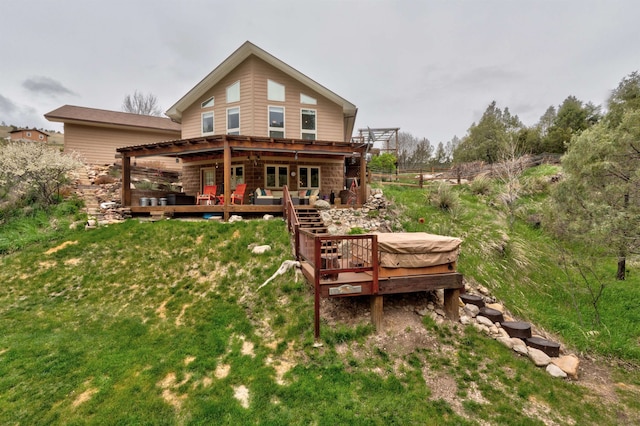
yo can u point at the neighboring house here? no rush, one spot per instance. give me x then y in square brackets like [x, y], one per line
[254, 120]
[29, 134]
[96, 134]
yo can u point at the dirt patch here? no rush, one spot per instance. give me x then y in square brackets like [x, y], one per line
[162, 309]
[247, 349]
[60, 247]
[168, 384]
[222, 371]
[188, 360]
[47, 264]
[84, 397]
[241, 393]
[180, 318]
[73, 262]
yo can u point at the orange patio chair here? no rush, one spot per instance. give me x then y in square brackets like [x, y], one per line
[237, 194]
[208, 195]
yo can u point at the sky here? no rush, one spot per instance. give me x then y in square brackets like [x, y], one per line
[430, 68]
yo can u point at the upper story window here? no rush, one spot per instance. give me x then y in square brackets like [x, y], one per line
[233, 92]
[304, 99]
[207, 123]
[308, 125]
[208, 103]
[233, 121]
[276, 122]
[275, 91]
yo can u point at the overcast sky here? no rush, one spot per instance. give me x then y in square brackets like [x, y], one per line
[428, 67]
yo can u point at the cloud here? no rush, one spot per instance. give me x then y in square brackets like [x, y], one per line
[46, 86]
[7, 107]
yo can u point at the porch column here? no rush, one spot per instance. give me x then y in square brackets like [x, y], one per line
[227, 178]
[363, 179]
[126, 181]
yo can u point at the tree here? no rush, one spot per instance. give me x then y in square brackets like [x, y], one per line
[422, 154]
[440, 156]
[34, 168]
[599, 198]
[383, 163]
[484, 140]
[572, 118]
[140, 103]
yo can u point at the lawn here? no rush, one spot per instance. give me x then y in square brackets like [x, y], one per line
[161, 323]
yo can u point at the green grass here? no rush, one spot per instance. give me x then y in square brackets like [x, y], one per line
[132, 324]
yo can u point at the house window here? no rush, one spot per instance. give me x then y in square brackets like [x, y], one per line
[207, 123]
[41, 137]
[276, 122]
[207, 177]
[237, 176]
[304, 99]
[309, 177]
[28, 134]
[275, 91]
[276, 176]
[308, 117]
[208, 103]
[233, 92]
[233, 121]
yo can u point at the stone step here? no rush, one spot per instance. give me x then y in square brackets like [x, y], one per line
[519, 329]
[547, 346]
[493, 314]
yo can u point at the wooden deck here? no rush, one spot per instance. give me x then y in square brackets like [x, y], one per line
[333, 265]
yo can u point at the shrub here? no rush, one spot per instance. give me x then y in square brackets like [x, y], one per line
[444, 197]
[481, 185]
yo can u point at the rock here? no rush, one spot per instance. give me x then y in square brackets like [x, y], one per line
[556, 371]
[268, 217]
[483, 290]
[569, 364]
[440, 312]
[261, 249]
[234, 218]
[471, 310]
[481, 328]
[496, 306]
[484, 321]
[465, 320]
[494, 330]
[505, 341]
[539, 358]
[322, 205]
[519, 346]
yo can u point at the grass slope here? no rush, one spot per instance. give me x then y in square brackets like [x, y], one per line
[160, 323]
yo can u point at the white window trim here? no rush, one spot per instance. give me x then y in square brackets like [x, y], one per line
[213, 127]
[211, 99]
[227, 92]
[269, 93]
[284, 120]
[307, 100]
[315, 131]
[309, 175]
[234, 181]
[277, 166]
[202, 173]
[227, 120]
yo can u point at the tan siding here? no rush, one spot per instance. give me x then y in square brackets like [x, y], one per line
[191, 117]
[253, 74]
[330, 125]
[97, 145]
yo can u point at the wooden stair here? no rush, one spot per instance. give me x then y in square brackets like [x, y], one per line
[310, 219]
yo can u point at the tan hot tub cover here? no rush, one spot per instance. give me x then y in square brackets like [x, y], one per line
[416, 249]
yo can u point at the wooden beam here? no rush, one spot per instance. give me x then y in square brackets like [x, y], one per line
[377, 312]
[227, 178]
[126, 181]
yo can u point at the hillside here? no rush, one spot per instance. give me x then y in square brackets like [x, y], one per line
[161, 323]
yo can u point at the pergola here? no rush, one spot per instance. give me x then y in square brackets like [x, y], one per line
[225, 147]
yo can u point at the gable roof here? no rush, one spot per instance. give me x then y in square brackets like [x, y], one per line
[33, 129]
[235, 59]
[105, 118]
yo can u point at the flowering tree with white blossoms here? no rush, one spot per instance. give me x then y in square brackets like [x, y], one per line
[36, 168]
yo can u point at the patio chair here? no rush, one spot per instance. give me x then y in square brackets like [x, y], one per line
[237, 194]
[208, 195]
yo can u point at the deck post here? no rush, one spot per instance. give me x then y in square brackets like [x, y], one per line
[377, 312]
[227, 178]
[126, 181]
[451, 296]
